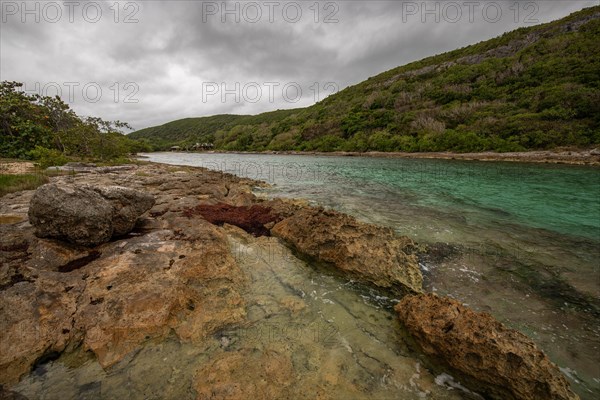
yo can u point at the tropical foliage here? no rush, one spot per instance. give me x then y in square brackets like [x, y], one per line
[533, 88]
[46, 129]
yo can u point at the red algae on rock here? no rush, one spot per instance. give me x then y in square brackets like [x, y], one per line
[252, 219]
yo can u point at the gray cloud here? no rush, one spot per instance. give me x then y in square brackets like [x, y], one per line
[154, 70]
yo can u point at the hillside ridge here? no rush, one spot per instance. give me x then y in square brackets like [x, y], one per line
[533, 88]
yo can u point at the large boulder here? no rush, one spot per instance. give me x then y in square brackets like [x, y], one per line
[86, 215]
[501, 362]
[370, 253]
[128, 205]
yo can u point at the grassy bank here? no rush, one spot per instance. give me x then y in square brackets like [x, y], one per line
[16, 183]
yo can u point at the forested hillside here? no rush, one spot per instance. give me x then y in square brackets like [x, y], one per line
[533, 88]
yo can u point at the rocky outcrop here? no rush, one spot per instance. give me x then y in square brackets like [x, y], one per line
[502, 362]
[371, 253]
[82, 168]
[180, 278]
[173, 276]
[86, 215]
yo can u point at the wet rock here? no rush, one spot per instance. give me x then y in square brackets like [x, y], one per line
[371, 253]
[230, 376]
[144, 289]
[10, 395]
[86, 215]
[181, 280]
[500, 362]
[439, 252]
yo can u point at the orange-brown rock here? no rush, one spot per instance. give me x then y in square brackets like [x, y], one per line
[245, 374]
[173, 275]
[501, 363]
[371, 253]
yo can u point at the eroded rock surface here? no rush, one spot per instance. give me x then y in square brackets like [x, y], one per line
[180, 277]
[501, 362]
[171, 276]
[372, 253]
[86, 215]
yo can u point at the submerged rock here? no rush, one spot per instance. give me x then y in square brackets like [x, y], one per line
[246, 374]
[371, 253]
[86, 215]
[502, 362]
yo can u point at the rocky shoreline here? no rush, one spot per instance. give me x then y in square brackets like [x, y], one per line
[172, 273]
[573, 157]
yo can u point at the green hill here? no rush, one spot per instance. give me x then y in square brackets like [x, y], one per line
[532, 88]
[189, 131]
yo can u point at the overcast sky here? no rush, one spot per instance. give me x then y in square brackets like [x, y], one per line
[150, 62]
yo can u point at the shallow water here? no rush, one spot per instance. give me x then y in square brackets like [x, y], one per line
[522, 241]
[341, 339]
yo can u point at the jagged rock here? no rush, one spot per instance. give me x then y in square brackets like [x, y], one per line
[174, 276]
[86, 215]
[181, 279]
[502, 362]
[372, 253]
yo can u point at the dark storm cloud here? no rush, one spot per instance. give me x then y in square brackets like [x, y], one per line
[155, 61]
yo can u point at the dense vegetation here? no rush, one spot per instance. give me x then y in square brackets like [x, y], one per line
[533, 88]
[45, 129]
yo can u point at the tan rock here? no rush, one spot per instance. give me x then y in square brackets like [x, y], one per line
[245, 374]
[502, 362]
[371, 253]
[36, 321]
[172, 276]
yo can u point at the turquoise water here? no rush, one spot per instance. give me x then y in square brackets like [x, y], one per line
[521, 241]
[564, 199]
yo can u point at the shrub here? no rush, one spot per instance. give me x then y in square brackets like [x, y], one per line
[48, 157]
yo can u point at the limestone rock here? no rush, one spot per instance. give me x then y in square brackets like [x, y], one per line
[371, 253]
[77, 214]
[128, 205]
[35, 321]
[86, 215]
[502, 362]
[246, 374]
